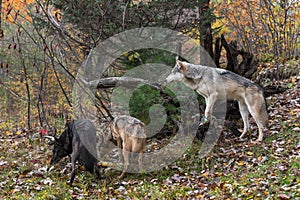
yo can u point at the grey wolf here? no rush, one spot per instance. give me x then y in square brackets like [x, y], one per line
[130, 135]
[70, 143]
[212, 82]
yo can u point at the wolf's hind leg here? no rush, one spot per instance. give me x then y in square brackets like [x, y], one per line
[140, 161]
[244, 113]
[74, 157]
[126, 155]
[254, 108]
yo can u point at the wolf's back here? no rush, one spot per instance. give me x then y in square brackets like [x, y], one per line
[138, 130]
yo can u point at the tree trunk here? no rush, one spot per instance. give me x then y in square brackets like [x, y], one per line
[247, 67]
[206, 38]
[0, 17]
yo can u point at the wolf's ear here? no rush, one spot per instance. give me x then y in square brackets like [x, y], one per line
[182, 66]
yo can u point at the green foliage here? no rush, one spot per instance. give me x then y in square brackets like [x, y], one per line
[144, 97]
[135, 58]
[95, 21]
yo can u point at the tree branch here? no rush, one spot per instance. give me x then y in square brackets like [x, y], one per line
[122, 81]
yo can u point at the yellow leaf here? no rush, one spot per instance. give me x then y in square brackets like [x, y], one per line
[249, 153]
[205, 174]
[131, 58]
[107, 164]
[241, 163]
[136, 55]
[8, 133]
[259, 158]
[266, 192]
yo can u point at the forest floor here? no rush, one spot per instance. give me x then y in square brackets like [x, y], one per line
[234, 169]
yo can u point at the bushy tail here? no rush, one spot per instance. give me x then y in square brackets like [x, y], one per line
[264, 113]
[257, 106]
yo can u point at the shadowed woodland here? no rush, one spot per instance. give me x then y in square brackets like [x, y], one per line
[43, 44]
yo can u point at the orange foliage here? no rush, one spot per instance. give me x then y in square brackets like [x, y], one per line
[262, 25]
[14, 10]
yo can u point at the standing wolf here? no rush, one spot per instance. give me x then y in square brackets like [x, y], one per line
[205, 79]
[75, 140]
[130, 135]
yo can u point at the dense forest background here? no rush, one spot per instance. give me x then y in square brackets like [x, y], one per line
[43, 43]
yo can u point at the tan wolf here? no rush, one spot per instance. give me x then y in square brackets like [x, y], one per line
[214, 83]
[130, 135]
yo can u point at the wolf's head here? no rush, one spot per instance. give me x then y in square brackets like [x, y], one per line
[178, 71]
[62, 145]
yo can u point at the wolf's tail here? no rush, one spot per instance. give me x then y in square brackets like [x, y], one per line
[257, 103]
[264, 115]
[264, 112]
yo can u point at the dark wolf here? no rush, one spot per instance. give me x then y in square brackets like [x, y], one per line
[79, 141]
[130, 135]
[215, 83]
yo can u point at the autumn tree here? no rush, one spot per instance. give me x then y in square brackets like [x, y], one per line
[30, 57]
[269, 29]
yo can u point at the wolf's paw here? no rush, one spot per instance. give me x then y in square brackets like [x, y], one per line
[255, 142]
[204, 121]
[258, 140]
[121, 176]
[69, 183]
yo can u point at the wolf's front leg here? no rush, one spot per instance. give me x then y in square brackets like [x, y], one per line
[205, 118]
[210, 102]
[119, 144]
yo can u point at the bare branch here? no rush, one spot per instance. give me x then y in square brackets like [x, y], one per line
[122, 81]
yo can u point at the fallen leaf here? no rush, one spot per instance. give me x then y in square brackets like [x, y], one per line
[283, 197]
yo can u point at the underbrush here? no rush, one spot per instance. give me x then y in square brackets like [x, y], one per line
[234, 169]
